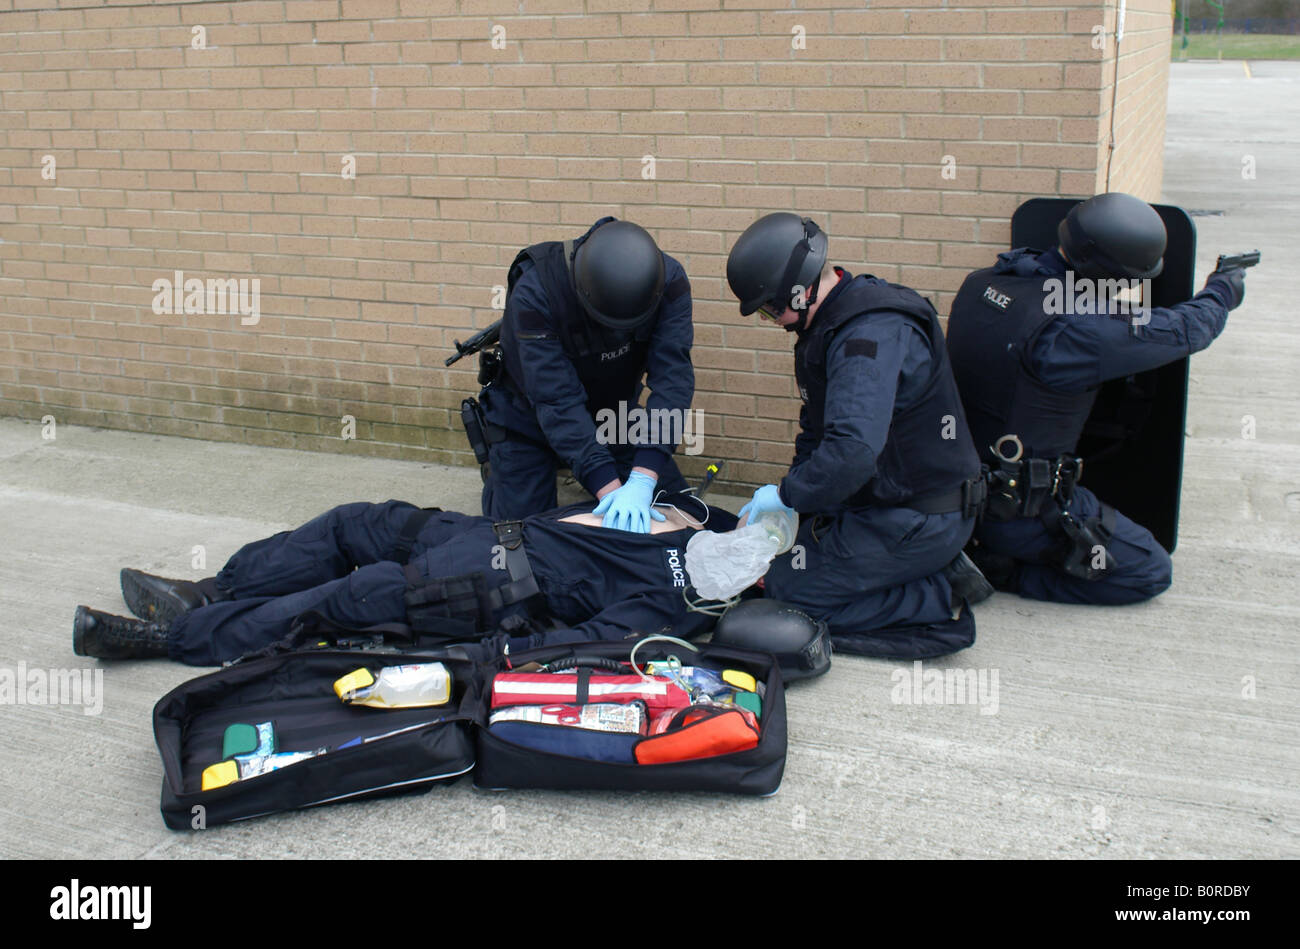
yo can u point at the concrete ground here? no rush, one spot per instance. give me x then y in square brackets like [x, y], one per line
[1163, 730]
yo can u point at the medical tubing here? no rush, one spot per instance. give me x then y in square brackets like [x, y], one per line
[658, 636]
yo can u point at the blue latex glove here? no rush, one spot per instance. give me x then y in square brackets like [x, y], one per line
[767, 498]
[628, 508]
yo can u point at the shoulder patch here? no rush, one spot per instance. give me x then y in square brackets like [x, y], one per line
[677, 287]
[996, 298]
[860, 347]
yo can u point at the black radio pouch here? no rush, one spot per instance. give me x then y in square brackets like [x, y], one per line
[1018, 489]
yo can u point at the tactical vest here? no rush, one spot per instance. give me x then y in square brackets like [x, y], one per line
[609, 362]
[917, 461]
[996, 320]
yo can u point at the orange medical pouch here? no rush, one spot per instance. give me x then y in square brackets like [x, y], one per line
[706, 732]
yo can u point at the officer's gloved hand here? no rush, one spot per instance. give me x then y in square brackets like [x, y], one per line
[629, 508]
[1229, 286]
[767, 498]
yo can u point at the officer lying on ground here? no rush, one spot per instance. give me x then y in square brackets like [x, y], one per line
[584, 321]
[885, 476]
[1029, 373]
[443, 573]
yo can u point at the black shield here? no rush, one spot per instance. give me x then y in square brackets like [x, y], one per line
[1132, 445]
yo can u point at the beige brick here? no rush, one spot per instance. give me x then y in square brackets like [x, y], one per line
[226, 161]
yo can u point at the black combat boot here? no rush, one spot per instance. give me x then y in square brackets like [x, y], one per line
[158, 598]
[969, 586]
[998, 569]
[106, 636]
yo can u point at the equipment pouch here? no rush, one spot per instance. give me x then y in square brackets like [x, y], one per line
[489, 366]
[471, 416]
[451, 607]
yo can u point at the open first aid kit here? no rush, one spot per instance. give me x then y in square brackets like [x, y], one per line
[317, 726]
[304, 728]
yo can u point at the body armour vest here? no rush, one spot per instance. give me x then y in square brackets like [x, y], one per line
[996, 320]
[917, 460]
[609, 362]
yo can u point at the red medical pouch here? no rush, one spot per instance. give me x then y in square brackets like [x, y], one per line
[584, 686]
[706, 732]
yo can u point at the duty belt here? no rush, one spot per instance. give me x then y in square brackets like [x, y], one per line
[1021, 487]
[968, 498]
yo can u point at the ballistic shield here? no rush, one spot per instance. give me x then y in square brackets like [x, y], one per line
[1132, 444]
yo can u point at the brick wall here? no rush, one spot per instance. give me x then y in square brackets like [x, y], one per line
[909, 130]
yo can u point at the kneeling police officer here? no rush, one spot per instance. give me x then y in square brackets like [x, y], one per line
[585, 319]
[1029, 373]
[885, 476]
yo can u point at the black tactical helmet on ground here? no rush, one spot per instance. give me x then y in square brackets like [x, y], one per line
[1114, 235]
[776, 254]
[618, 273]
[801, 644]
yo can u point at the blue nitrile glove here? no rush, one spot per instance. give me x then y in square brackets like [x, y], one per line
[767, 498]
[626, 508]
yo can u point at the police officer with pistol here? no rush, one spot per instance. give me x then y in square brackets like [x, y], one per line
[885, 477]
[584, 320]
[1032, 340]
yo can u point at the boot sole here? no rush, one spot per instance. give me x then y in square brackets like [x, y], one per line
[145, 604]
[79, 632]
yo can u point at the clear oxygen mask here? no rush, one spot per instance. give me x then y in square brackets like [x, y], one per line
[721, 565]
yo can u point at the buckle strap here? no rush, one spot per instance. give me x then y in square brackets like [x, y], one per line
[522, 585]
[411, 530]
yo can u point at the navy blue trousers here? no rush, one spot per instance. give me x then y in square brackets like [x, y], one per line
[521, 477]
[1142, 568]
[875, 577]
[336, 564]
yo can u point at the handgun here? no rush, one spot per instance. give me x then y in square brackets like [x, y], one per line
[1235, 261]
[489, 336]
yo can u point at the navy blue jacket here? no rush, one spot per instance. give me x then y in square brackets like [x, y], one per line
[1078, 354]
[549, 395]
[609, 584]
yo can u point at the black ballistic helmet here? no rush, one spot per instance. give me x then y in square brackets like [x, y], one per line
[619, 274]
[775, 254]
[1114, 235]
[801, 644]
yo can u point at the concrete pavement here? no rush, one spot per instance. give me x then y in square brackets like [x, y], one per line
[1170, 729]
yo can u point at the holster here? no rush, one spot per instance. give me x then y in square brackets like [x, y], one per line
[1080, 539]
[477, 429]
